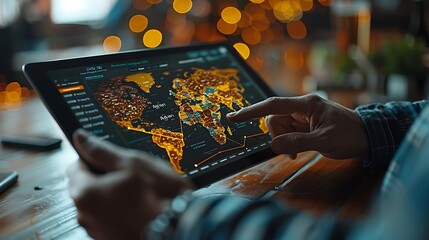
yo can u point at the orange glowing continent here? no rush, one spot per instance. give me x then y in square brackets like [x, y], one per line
[123, 103]
[263, 125]
[145, 81]
[201, 94]
[173, 144]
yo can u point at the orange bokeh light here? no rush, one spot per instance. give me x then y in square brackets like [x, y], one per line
[286, 11]
[260, 22]
[225, 27]
[243, 49]
[231, 15]
[306, 5]
[182, 6]
[112, 44]
[251, 36]
[257, 1]
[13, 95]
[297, 30]
[25, 93]
[254, 9]
[14, 87]
[138, 23]
[152, 38]
[245, 20]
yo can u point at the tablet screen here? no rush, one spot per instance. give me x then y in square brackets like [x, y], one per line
[172, 105]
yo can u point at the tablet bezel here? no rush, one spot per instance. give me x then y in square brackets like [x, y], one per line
[37, 74]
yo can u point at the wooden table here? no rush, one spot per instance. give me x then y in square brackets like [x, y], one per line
[39, 207]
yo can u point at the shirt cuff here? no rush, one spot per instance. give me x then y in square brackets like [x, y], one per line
[381, 141]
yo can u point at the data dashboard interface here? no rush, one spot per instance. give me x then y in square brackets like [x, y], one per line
[172, 106]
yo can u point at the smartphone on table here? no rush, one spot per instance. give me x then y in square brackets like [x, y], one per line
[7, 179]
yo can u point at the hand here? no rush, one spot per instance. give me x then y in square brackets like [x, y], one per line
[309, 122]
[118, 204]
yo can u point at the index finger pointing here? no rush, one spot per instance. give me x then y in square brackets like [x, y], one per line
[270, 106]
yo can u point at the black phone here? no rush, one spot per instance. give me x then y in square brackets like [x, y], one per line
[35, 143]
[7, 179]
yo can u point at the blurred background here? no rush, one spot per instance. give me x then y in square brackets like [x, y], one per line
[351, 51]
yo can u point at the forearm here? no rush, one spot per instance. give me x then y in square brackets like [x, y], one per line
[386, 126]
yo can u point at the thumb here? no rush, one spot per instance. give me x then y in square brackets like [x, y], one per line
[100, 154]
[293, 143]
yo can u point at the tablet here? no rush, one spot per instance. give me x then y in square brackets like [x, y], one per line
[169, 102]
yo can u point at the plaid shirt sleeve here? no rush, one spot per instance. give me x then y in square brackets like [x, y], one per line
[386, 126]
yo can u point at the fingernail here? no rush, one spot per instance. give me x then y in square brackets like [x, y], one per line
[231, 114]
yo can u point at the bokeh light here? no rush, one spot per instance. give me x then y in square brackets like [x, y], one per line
[260, 22]
[112, 44]
[14, 90]
[306, 5]
[182, 6]
[243, 49]
[297, 30]
[254, 9]
[231, 15]
[245, 20]
[286, 11]
[152, 38]
[225, 27]
[12, 95]
[138, 23]
[251, 36]
[252, 22]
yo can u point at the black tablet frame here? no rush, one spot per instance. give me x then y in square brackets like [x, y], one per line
[37, 74]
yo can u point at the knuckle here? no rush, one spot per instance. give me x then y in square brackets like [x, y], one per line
[272, 102]
[314, 99]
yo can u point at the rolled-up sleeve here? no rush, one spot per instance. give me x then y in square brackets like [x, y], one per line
[386, 126]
